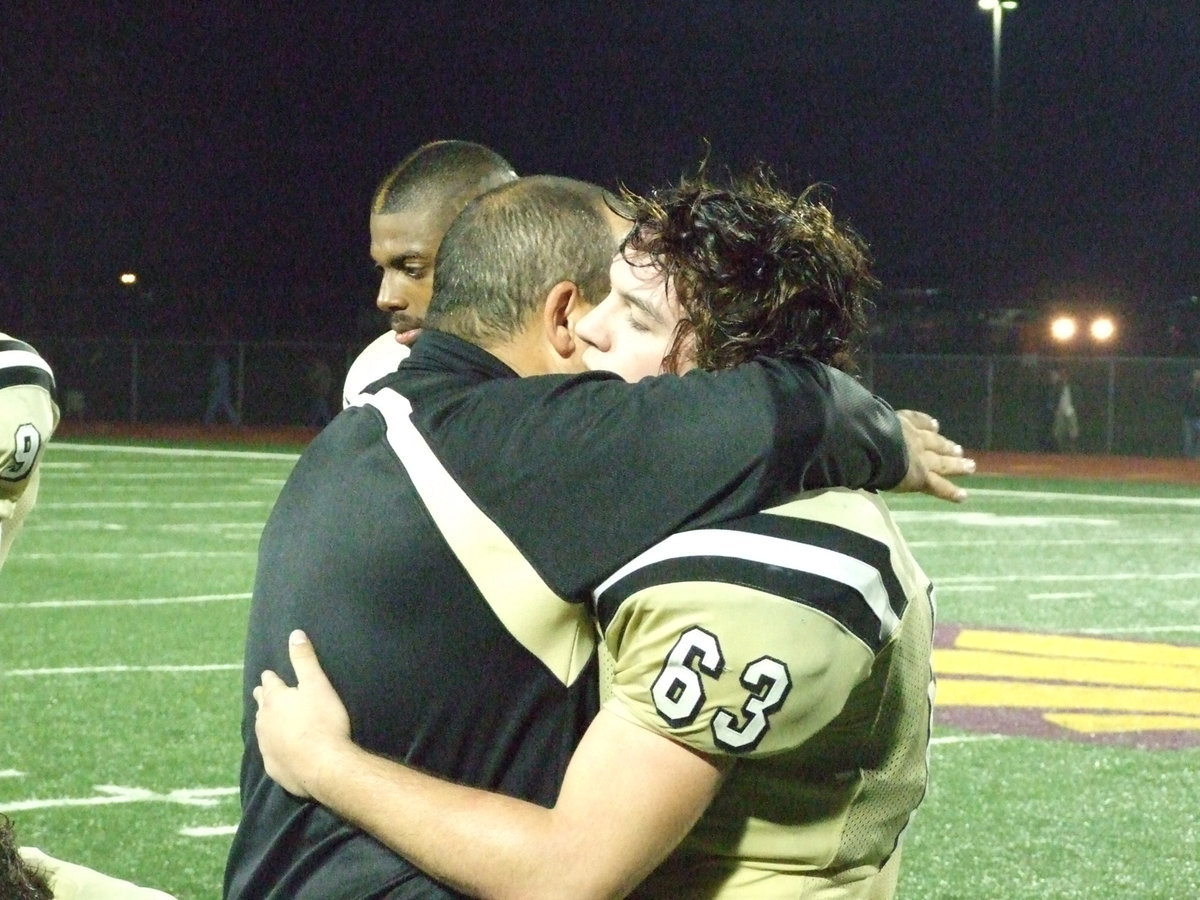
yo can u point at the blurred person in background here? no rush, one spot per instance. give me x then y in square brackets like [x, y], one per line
[1061, 432]
[220, 390]
[1191, 417]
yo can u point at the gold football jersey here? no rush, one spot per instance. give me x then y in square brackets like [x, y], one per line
[797, 641]
[28, 417]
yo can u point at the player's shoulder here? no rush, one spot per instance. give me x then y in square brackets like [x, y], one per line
[860, 511]
[815, 560]
[28, 411]
[379, 358]
[687, 656]
[21, 364]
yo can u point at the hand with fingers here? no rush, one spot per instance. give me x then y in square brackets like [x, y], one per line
[298, 727]
[932, 459]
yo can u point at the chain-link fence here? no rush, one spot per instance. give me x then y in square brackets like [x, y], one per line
[1126, 406]
[252, 383]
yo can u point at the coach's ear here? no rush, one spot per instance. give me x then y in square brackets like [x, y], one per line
[563, 307]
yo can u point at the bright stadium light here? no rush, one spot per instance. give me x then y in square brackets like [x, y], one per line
[1103, 329]
[128, 278]
[1063, 328]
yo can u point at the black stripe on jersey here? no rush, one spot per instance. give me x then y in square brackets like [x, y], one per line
[13, 344]
[19, 373]
[11, 376]
[836, 599]
[831, 537]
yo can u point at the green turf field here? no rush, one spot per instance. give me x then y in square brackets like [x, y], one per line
[1066, 760]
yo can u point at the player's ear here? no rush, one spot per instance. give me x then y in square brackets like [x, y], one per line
[563, 306]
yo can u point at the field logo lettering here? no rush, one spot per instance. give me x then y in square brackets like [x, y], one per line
[1130, 693]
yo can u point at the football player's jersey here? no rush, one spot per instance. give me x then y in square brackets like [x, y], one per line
[380, 357]
[28, 416]
[797, 641]
[71, 881]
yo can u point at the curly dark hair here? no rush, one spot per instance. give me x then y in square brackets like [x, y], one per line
[18, 879]
[758, 271]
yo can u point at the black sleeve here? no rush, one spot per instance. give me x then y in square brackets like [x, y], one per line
[864, 444]
[585, 473]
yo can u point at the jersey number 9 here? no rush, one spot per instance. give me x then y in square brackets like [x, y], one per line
[27, 443]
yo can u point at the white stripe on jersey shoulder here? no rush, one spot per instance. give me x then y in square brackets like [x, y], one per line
[559, 633]
[865, 513]
[12, 359]
[787, 554]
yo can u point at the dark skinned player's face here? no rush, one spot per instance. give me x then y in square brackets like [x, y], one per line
[403, 246]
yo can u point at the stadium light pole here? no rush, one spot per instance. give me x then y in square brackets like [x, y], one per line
[997, 8]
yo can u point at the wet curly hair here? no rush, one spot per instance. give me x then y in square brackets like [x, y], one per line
[18, 879]
[757, 271]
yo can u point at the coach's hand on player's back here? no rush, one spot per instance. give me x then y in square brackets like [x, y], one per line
[932, 459]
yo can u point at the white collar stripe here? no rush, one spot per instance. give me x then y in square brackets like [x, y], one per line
[788, 554]
[13, 359]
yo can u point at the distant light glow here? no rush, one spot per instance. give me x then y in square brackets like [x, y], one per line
[1063, 328]
[989, 5]
[1103, 329]
[128, 278]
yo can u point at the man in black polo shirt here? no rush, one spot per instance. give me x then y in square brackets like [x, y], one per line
[435, 541]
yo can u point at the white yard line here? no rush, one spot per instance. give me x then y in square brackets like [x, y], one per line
[1103, 576]
[147, 504]
[209, 831]
[88, 473]
[121, 670]
[110, 794]
[1062, 595]
[1142, 629]
[966, 738]
[161, 554]
[1059, 496]
[134, 601]
[174, 451]
[989, 541]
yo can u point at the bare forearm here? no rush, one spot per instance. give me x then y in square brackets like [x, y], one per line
[628, 798]
[484, 844]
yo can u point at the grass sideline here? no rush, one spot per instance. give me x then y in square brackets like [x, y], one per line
[122, 612]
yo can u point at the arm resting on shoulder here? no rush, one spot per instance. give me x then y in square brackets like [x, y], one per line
[868, 444]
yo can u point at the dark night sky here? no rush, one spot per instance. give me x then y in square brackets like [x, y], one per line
[230, 154]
